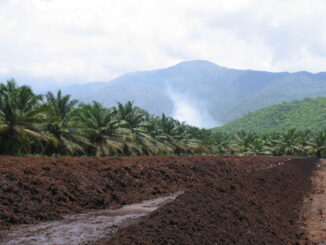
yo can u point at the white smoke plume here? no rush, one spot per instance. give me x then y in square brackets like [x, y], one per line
[190, 110]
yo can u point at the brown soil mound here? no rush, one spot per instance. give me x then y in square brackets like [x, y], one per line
[261, 207]
[43, 188]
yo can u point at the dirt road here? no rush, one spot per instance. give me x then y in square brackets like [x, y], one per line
[316, 206]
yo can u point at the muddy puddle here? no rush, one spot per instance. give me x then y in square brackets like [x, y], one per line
[82, 228]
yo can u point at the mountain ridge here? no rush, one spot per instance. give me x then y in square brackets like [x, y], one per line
[205, 88]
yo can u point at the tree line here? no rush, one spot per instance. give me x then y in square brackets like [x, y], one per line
[309, 113]
[55, 124]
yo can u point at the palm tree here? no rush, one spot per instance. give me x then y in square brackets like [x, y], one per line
[62, 106]
[150, 127]
[289, 143]
[170, 134]
[135, 138]
[272, 143]
[21, 118]
[258, 147]
[100, 126]
[195, 140]
[317, 143]
[66, 138]
[222, 142]
[129, 116]
[303, 140]
[241, 141]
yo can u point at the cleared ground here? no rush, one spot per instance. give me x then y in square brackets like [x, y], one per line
[226, 200]
[315, 206]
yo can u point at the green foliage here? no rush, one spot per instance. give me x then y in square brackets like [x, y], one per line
[100, 126]
[288, 142]
[21, 116]
[58, 126]
[307, 114]
[62, 132]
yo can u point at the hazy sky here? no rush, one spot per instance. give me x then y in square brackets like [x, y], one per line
[97, 40]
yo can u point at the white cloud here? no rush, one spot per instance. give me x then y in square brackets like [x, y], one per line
[83, 41]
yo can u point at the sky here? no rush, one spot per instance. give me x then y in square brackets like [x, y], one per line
[80, 41]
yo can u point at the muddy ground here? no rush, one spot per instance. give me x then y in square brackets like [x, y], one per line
[227, 200]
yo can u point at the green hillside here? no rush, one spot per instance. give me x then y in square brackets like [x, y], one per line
[303, 114]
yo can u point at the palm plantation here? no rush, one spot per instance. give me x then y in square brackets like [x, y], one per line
[55, 124]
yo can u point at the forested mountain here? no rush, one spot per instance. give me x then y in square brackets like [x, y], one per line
[307, 114]
[221, 93]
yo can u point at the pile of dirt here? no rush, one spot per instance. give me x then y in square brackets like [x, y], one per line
[45, 188]
[260, 207]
